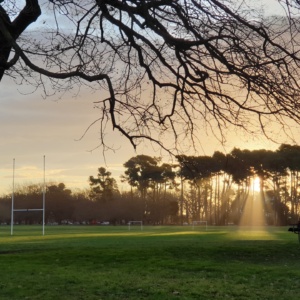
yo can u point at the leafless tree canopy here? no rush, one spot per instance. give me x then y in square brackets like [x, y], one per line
[175, 66]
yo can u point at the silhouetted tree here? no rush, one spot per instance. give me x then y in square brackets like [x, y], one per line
[291, 156]
[5, 209]
[59, 203]
[103, 187]
[210, 63]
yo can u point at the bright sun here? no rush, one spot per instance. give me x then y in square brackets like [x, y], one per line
[256, 184]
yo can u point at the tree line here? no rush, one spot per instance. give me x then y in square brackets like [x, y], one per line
[213, 188]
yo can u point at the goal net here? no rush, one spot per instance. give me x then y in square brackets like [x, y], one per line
[200, 225]
[135, 224]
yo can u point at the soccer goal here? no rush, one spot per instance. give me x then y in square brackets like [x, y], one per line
[200, 224]
[13, 210]
[135, 223]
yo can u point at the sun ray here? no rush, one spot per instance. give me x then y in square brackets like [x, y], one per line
[253, 212]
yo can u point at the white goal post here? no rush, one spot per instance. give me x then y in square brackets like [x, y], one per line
[27, 209]
[130, 223]
[199, 223]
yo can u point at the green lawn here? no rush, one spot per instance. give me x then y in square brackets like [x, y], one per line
[86, 262]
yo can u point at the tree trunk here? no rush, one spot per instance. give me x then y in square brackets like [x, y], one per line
[10, 31]
[5, 47]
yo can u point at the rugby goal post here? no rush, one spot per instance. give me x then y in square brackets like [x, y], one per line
[130, 223]
[199, 224]
[27, 209]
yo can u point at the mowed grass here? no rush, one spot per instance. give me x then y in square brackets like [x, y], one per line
[86, 262]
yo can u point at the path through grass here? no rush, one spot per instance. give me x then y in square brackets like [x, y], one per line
[73, 262]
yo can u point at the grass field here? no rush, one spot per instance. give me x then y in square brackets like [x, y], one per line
[106, 262]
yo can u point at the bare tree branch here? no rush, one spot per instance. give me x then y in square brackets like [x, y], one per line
[169, 67]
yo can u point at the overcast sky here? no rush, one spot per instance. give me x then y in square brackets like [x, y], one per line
[31, 127]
